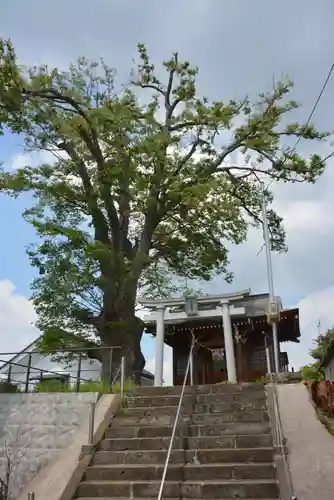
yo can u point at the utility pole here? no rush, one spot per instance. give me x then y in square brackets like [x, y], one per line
[270, 279]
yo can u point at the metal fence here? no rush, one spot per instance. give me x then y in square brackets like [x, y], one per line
[26, 375]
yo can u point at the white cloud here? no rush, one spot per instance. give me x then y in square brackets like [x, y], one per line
[32, 159]
[302, 215]
[17, 318]
[318, 306]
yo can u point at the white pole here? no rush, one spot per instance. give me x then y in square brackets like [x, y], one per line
[267, 354]
[159, 347]
[229, 346]
[270, 275]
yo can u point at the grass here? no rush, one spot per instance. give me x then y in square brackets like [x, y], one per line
[328, 422]
[89, 386]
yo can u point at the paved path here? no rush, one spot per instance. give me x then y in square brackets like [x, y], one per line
[311, 447]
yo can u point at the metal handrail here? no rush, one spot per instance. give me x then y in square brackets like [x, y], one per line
[281, 440]
[91, 418]
[120, 370]
[28, 367]
[91, 423]
[189, 366]
[63, 350]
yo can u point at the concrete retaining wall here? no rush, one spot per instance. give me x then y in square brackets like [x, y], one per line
[34, 427]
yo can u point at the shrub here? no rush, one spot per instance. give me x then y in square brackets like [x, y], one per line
[313, 371]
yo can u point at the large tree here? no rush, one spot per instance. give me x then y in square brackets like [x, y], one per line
[141, 187]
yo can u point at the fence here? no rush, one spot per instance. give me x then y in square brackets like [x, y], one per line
[24, 371]
[322, 395]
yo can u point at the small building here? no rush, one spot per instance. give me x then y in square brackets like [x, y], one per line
[328, 363]
[233, 332]
[31, 366]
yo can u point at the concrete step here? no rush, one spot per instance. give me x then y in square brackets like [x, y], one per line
[233, 428]
[204, 456]
[191, 443]
[232, 406]
[214, 398]
[166, 417]
[164, 498]
[199, 389]
[180, 472]
[229, 489]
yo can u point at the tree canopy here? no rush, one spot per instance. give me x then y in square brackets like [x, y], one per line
[140, 186]
[322, 343]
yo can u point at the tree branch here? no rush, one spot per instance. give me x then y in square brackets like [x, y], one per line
[149, 86]
[100, 225]
[189, 124]
[170, 107]
[93, 146]
[124, 209]
[188, 156]
[54, 95]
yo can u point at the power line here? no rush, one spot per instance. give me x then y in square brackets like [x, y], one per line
[288, 156]
[311, 113]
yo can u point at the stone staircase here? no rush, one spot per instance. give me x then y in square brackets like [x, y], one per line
[222, 448]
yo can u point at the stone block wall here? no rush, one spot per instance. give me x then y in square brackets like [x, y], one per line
[34, 427]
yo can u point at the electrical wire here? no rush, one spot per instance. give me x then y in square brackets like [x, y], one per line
[323, 88]
[288, 156]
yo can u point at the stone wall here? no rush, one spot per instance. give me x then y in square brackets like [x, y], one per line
[34, 427]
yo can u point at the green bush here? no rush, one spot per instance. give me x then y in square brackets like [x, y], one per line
[313, 372]
[52, 386]
[8, 388]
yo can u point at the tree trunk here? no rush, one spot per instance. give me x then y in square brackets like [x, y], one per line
[125, 336]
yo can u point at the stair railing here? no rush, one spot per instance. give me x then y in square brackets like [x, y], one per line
[280, 440]
[121, 371]
[189, 367]
[91, 417]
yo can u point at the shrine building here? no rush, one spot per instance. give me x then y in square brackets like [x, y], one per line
[233, 333]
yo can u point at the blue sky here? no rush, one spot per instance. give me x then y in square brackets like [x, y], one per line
[239, 48]
[14, 261]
